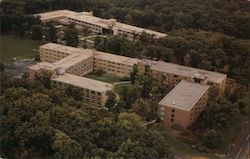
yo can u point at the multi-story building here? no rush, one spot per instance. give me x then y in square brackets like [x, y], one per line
[81, 61]
[52, 52]
[92, 91]
[59, 16]
[183, 104]
[97, 25]
[114, 64]
[56, 57]
[174, 73]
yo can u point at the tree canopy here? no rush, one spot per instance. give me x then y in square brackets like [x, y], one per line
[50, 122]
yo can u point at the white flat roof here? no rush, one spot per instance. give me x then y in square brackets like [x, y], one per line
[71, 60]
[90, 19]
[63, 48]
[54, 14]
[115, 58]
[184, 96]
[104, 23]
[185, 71]
[43, 65]
[83, 82]
[131, 28]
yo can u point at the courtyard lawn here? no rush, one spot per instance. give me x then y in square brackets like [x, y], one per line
[15, 47]
[119, 86]
[105, 77]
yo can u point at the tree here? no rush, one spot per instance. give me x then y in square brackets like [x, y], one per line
[129, 121]
[212, 138]
[71, 37]
[35, 133]
[74, 92]
[52, 33]
[216, 115]
[130, 149]
[44, 78]
[146, 109]
[129, 95]
[39, 124]
[36, 32]
[111, 101]
[65, 147]
[134, 74]
[97, 41]
[22, 29]
[146, 82]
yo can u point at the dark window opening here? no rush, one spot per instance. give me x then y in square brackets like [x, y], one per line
[172, 120]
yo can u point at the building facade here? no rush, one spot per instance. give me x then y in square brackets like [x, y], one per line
[92, 91]
[114, 64]
[174, 73]
[67, 65]
[96, 24]
[182, 105]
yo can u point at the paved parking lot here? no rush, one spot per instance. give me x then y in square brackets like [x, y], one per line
[19, 67]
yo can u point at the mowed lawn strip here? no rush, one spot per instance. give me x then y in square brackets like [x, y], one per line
[105, 77]
[16, 47]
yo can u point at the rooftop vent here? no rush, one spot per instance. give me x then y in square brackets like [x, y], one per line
[174, 103]
[154, 62]
[60, 71]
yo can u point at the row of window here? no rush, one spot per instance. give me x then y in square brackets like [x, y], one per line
[101, 61]
[125, 33]
[93, 27]
[88, 95]
[47, 51]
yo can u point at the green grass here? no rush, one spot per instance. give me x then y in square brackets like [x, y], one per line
[181, 149]
[93, 37]
[105, 77]
[119, 87]
[15, 47]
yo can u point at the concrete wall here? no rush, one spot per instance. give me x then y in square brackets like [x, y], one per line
[112, 67]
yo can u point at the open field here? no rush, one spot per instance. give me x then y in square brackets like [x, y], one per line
[105, 77]
[15, 47]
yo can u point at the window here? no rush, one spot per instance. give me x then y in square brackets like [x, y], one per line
[172, 120]
[161, 113]
[173, 110]
[172, 115]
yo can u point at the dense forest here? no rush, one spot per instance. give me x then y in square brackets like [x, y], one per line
[228, 17]
[210, 34]
[37, 121]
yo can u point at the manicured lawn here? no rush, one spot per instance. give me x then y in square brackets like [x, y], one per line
[119, 87]
[105, 77]
[15, 47]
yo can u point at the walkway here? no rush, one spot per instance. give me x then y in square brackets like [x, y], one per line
[117, 95]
